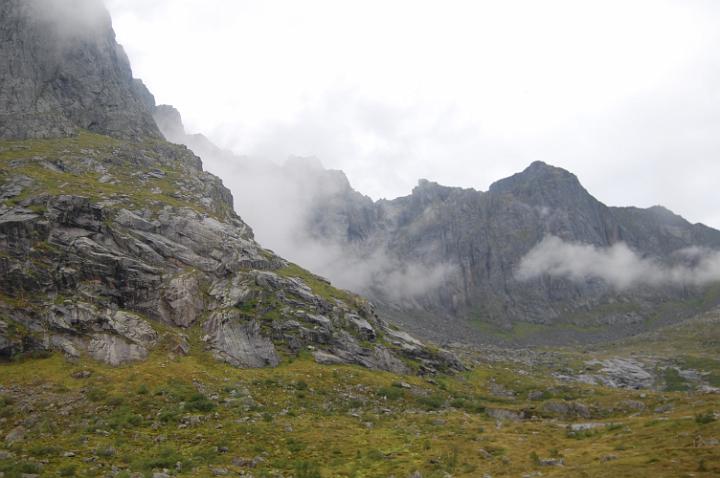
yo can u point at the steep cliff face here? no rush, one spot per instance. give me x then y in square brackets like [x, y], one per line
[444, 261]
[117, 244]
[63, 71]
[485, 235]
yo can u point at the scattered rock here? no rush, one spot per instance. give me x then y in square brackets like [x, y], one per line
[567, 410]
[503, 414]
[623, 373]
[15, 435]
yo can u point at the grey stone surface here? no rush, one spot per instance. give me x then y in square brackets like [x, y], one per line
[63, 70]
[95, 270]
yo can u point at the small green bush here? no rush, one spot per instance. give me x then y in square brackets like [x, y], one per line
[68, 470]
[96, 394]
[705, 418]
[390, 393]
[306, 469]
[200, 403]
[431, 402]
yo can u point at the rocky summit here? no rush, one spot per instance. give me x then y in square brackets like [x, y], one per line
[115, 243]
[445, 261]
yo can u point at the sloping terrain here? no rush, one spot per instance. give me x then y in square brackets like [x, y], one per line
[444, 261]
[102, 239]
[112, 245]
[144, 332]
[192, 416]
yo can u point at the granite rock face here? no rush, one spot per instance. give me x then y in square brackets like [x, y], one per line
[485, 235]
[444, 258]
[62, 70]
[115, 243]
[94, 268]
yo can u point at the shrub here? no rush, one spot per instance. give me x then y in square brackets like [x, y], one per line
[115, 401]
[705, 418]
[390, 393]
[431, 402]
[164, 458]
[306, 469]
[199, 402]
[68, 470]
[96, 394]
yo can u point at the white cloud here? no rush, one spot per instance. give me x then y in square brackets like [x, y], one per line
[618, 265]
[624, 94]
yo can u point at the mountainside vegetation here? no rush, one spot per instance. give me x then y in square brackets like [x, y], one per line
[145, 333]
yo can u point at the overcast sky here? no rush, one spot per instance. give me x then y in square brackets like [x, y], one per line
[626, 94]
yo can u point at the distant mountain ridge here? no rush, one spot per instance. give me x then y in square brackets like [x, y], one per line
[444, 260]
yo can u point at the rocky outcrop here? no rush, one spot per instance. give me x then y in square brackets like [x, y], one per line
[118, 243]
[93, 274]
[239, 341]
[478, 240]
[62, 70]
[443, 258]
[111, 336]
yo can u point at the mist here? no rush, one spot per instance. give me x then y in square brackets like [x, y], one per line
[618, 265]
[497, 85]
[71, 18]
[280, 200]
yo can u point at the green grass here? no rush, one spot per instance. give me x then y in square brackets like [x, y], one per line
[59, 166]
[304, 419]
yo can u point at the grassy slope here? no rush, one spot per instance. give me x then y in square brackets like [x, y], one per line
[38, 160]
[304, 419]
[310, 420]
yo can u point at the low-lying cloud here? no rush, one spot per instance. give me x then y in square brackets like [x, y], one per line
[619, 265]
[374, 272]
[281, 203]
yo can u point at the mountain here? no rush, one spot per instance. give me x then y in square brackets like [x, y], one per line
[115, 243]
[446, 262]
[482, 239]
[144, 330]
[63, 71]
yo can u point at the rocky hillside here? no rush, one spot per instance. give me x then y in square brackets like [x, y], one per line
[444, 261]
[115, 243]
[484, 236]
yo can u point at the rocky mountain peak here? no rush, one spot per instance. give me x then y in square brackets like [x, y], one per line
[169, 121]
[428, 192]
[545, 185]
[64, 71]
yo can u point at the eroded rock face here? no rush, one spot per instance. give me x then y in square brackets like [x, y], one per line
[103, 238]
[111, 336]
[182, 301]
[63, 70]
[239, 341]
[98, 271]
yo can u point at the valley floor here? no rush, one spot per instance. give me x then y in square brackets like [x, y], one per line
[193, 417]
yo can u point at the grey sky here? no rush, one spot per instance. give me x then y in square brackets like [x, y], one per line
[626, 94]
